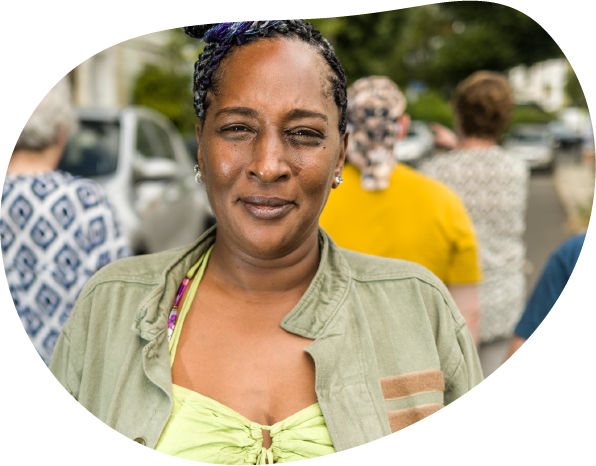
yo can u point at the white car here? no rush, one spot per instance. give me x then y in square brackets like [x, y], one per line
[534, 143]
[139, 157]
[418, 143]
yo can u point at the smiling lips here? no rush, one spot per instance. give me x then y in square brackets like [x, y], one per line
[266, 208]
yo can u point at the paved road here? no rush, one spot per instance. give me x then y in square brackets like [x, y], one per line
[545, 225]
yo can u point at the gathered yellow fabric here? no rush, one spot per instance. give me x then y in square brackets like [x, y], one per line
[202, 429]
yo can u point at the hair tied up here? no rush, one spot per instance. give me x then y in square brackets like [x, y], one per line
[199, 31]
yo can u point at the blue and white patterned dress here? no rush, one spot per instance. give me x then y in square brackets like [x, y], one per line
[56, 231]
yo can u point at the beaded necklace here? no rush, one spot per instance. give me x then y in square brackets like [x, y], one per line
[200, 266]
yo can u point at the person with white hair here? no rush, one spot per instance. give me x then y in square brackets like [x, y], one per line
[56, 230]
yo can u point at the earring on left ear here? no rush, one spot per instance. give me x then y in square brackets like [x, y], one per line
[198, 175]
[339, 180]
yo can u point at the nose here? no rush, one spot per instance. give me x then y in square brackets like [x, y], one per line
[269, 161]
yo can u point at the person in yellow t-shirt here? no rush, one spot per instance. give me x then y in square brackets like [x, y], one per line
[388, 209]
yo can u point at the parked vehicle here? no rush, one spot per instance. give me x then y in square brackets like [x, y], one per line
[418, 143]
[565, 137]
[139, 157]
[533, 143]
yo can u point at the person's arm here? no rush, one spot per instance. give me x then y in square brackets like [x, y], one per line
[444, 137]
[516, 343]
[549, 287]
[467, 301]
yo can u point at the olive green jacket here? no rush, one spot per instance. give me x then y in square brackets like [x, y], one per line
[390, 347]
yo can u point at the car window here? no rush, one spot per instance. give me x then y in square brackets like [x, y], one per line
[153, 141]
[93, 150]
[529, 135]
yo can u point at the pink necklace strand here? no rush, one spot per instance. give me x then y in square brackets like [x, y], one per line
[174, 312]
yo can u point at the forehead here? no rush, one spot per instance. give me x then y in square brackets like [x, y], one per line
[277, 72]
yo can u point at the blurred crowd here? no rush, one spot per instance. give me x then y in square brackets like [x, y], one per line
[460, 212]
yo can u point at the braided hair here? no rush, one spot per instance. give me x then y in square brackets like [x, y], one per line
[221, 37]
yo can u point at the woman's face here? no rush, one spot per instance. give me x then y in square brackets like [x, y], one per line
[270, 146]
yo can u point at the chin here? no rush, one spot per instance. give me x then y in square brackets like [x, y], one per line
[270, 241]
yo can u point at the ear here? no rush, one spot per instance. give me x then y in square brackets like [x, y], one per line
[341, 160]
[404, 125]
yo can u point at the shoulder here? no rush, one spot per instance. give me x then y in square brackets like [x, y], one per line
[395, 288]
[367, 268]
[445, 160]
[148, 269]
[426, 183]
[88, 192]
[568, 253]
[573, 245]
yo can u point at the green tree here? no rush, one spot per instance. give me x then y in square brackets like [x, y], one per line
[491, 37]
[574, 91]
[440, 44]
[367, 44]
[166, 86]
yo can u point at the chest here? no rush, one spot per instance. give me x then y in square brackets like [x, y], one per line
[235, 352]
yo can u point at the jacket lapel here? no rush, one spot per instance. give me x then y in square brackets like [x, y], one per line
[347, 380]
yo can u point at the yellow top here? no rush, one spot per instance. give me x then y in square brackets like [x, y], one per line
[202, 429]
[416, 218]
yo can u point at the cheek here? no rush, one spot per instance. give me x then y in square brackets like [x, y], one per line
[222, 166]
[314, 173]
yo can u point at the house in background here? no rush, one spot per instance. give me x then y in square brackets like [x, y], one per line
[542, 83]
[106, 80]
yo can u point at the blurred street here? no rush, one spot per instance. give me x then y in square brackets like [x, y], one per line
[546, 224]
[557, 205]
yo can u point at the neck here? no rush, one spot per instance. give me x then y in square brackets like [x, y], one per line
[25, 162]
[291, 272]
[473, 142]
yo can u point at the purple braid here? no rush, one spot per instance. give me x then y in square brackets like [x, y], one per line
[221, 37]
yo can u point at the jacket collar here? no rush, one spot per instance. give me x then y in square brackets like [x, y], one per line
[151, 317]
[321, 301]
[309, 318]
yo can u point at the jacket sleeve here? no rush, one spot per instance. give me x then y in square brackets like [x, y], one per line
[66, 362]
[455, 347]
[59, 362]
[468, 373]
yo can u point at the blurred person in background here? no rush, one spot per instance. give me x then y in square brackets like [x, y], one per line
[493, 185]
[549, 287]
[56, 230]
[388, 209]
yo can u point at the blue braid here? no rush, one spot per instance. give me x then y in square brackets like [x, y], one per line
[225, 32]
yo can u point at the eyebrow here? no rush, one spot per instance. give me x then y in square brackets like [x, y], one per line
[244, 111]
[301, 113]
[249, 112]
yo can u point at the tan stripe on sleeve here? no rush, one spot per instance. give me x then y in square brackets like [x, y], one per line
[406, 417]
[412, 383]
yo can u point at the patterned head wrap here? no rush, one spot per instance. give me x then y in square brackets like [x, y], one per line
[374, 106]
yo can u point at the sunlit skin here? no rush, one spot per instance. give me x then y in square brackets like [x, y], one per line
[269, 151]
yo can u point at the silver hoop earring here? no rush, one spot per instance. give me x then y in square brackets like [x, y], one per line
[198, 175]
[339, 180]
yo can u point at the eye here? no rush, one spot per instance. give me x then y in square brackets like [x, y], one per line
[304, 132]
[236, 132]
[305, 137]
[235, 128]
